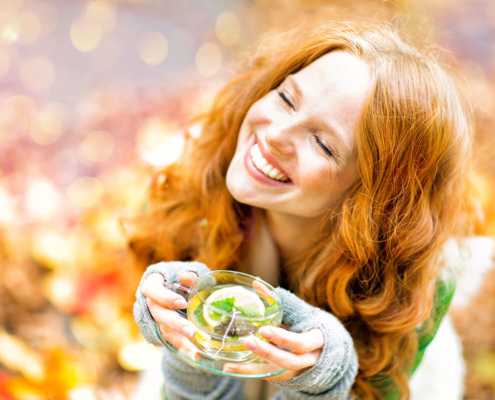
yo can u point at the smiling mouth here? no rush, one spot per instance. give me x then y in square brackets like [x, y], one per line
[265, 167]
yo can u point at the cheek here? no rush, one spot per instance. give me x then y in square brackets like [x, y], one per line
[261, 112]
[326, 185]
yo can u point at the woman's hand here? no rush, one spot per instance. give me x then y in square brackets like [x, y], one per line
[306, 349]
[174, 328]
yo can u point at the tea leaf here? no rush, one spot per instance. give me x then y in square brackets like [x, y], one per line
[247, 313]
[198, 312]
[272, 309]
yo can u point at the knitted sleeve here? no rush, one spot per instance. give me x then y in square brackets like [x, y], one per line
[330, 378]
[181, 381]
[333, 375]
[170, 272]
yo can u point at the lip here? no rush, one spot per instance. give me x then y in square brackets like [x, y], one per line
[268, 157]
[256, 173]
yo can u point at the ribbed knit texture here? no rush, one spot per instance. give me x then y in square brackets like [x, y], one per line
[170, 272]
[330, 378]
[334, 373]
[185, 382]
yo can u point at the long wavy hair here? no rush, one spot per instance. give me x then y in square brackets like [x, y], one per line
[376, 258]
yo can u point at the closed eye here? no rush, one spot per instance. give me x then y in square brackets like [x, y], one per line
[284, 98]
[325, 148]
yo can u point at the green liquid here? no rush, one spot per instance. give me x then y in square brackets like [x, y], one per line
[222, 334]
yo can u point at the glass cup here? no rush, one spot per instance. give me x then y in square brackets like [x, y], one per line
[227, 307]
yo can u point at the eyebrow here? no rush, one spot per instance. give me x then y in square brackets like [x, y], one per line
[327, 126]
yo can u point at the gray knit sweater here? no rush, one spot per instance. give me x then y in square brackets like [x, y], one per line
[330, 378]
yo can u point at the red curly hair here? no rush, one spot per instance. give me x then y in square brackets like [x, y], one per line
[376, 259]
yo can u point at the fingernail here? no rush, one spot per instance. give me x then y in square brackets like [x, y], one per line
[229, 370]
[188, 331]
[266, 332]
[250, 344]
[180, 303]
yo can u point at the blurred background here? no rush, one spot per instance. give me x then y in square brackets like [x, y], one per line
[94, 95]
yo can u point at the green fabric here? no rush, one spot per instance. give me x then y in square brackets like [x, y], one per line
[444, 292]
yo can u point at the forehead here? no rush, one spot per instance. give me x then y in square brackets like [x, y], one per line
[334, 89]
[337, 72]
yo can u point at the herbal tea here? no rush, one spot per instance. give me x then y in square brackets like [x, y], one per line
[225, 315]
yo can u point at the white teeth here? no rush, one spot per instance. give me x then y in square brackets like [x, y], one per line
[273, 173]
[266, 169]
[263, 165]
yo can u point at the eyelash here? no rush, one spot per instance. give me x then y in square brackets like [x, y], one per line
[325, 148]
[318, 141]
[284, 98]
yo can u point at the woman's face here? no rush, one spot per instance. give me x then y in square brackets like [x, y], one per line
[296, 152]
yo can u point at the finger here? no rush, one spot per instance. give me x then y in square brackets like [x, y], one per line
[262, 289]
[153, 289]
[285, 359]
[298, 342]
[183, 344]
[188, 278]
[251, 368]
[171, 319]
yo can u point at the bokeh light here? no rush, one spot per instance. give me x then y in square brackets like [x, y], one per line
[138, 356]
[208, 59]
[6, 207]
[29, 27]
[228, 28]
[153, 48]
[42, 199]
[9, 28]
[37, 74]
[86, 333]
[51, 122]
[53, 250]
[82, 393]
[61, 291]
[159, 143]
[85, 34]
[96, 147]
[47, 15]
[195, 130]
[103, 13]
[17, 356]
[16, 117]
[85, 191]
[10, 6]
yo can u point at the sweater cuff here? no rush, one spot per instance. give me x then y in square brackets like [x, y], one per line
[170, 272]
[334, 373]
[185, 382]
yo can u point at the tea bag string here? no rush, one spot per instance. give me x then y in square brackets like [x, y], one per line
[234, 313]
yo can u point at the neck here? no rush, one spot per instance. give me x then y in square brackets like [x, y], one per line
[291, 234]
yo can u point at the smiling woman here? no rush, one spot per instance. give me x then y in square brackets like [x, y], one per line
[335, 167]
[289, 126]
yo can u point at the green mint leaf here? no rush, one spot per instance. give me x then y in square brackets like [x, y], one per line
[198, 312]
[272, 309]
[247, 313]
[225, 305]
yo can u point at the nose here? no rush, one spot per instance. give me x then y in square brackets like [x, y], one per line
[281, 138]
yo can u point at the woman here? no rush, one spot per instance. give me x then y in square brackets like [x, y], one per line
[336, 168]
